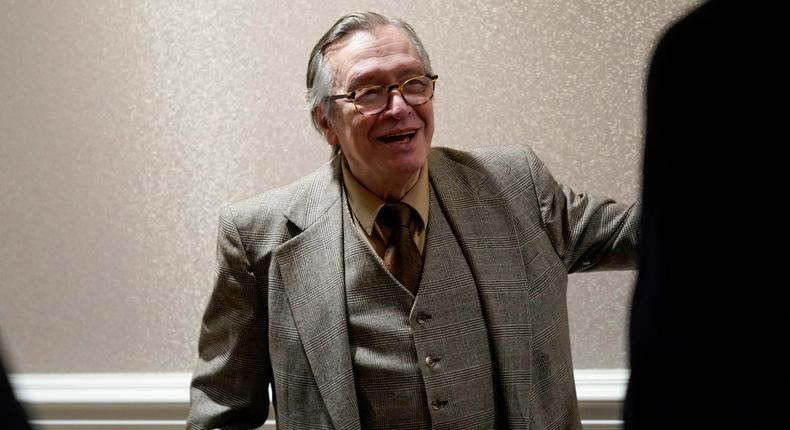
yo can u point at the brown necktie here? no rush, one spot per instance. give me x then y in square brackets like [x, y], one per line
[401, 256]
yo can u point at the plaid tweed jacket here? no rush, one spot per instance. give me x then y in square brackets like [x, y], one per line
[277, 314]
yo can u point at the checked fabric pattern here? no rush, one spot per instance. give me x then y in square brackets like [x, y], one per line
[392, 334]
[277, 314]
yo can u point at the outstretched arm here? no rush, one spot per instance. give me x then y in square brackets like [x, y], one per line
[588, 233]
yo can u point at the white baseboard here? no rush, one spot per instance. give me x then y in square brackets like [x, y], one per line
[600, 393]
[147, 401]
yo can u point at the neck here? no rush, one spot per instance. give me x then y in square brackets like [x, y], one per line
[391, 189]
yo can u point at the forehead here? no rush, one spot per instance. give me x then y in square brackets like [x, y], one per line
[385, 52]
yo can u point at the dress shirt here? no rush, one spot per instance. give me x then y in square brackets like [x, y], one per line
[365, 208]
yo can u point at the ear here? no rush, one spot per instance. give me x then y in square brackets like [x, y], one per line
[325, 125]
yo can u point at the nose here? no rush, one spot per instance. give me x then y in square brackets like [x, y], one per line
[397, 107]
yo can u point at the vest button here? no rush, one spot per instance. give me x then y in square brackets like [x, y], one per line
[438, 404]
[431, 361]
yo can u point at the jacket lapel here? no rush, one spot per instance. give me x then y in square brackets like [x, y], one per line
[311, 266]
[481, 219]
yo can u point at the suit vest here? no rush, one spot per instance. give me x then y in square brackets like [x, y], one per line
[419, 362]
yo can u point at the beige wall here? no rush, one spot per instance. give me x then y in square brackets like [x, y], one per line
[125, 125]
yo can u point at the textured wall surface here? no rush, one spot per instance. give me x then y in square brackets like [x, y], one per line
[124, 126]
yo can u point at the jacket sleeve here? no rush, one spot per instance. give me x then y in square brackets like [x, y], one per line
[230, 384]
[588, 233]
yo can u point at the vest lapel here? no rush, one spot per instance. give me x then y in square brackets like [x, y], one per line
[483, 224]
[311, 266]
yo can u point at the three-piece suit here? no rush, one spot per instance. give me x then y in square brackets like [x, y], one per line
[297, 294]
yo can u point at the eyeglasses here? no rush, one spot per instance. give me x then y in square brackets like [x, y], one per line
[374, 99]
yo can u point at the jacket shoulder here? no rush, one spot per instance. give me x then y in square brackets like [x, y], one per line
[269, 210]
[500, 165]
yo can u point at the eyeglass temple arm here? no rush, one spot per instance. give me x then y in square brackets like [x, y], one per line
[349, 96]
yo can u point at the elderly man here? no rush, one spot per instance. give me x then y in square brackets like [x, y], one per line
[399, 286]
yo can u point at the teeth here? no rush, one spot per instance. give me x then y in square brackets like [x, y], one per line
[405, 133]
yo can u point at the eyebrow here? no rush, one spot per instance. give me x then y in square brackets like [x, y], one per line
[362, 80]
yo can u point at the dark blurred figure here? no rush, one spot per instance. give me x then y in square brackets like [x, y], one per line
[709, 319]
[12, 416]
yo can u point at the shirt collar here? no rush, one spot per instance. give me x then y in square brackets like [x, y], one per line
[365, 205]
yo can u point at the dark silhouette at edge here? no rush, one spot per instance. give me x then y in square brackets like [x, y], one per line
[709, 316]
[12, 415]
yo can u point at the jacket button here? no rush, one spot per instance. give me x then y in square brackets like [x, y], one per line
[431, 361]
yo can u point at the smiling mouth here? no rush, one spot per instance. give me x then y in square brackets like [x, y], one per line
[401, 137]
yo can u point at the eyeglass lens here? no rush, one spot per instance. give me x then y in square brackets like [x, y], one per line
[373, 100]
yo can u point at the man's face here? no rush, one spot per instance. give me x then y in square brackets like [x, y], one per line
[388, 149]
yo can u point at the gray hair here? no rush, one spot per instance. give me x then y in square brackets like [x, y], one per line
[320, 77]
